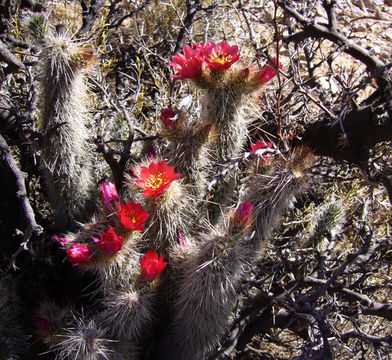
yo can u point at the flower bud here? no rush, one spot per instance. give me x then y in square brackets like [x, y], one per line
[109, 196]
[79, 255]
[242, 214]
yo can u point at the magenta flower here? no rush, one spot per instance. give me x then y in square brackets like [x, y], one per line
[169, 118]
[182, 241]
[202, 49]
[151, 153]
[267, 72]
[79, 255]
[109, 196]
[110, 243]
[188, 65]
[151, 265]
[61, 241]
[242, 214]
[220, 57]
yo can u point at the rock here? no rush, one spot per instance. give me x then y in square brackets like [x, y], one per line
[388, 34]
[359, 27]
[333, 86]
[324, 83]
[375, 50]
[268, 15]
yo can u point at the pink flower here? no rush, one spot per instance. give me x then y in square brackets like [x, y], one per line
[267, 72]
[169, 118]
[79, 255]
[110, 243]
[151, 265]
[182, 241]
[220, 57]
[109, 196]
[132, 216]
[201, 49]
[189, 65]
[61, 241]
[156, 178]
[242, 214]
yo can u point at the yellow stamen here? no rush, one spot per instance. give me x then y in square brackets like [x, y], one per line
[154, 181]
[221, 58]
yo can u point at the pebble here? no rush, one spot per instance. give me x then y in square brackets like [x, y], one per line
[358, 27]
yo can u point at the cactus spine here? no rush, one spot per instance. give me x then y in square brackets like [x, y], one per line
[66, 154]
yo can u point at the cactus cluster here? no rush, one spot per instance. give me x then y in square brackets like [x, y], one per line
[169, 252]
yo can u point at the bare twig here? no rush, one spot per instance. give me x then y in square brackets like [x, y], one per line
[277, 46]
[89, 15]
[312, 30]
[14, 64]
[21, 196]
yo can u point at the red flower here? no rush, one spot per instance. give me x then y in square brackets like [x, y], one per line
[151, 265]
[189, 65]
[110, 243]
[109, 195]
[132, 216]
[220, 57]
[156, 178]
[169, 118]
[241, 215]
[79, 255]
[267, 72]
[261, 145]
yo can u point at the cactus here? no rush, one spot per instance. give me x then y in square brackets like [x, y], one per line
[14, 342]
[327, 221]
[66, 153]
[168, 266]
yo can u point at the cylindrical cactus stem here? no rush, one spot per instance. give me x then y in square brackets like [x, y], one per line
[130, 305]
[272, 188]
[130, 310]
[224, 108]
[83, 340]
[66, 153]
[326, 223]
[14, 341]
[189, 153]
[208, 284]
[171, 207]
